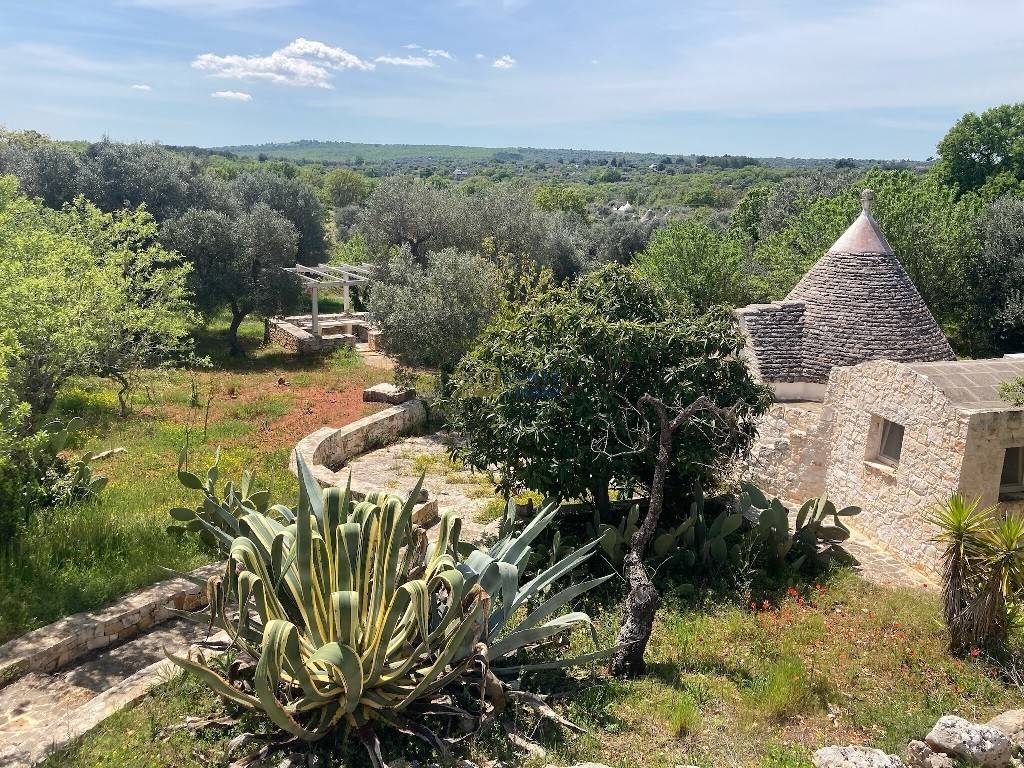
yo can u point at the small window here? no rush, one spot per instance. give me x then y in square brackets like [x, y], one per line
[1012, 478]
[890, 446]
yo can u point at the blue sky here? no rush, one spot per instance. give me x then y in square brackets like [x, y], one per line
[814, 79]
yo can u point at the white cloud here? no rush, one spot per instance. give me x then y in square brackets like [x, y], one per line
[302, 63]
[434, 53]
[406, 61]
[479, 56]
[231, 95]
[141, 87]
[504, 62]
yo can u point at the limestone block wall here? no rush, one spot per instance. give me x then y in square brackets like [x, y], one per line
[56, 645]
[988, 437]
[790, 455]
[895, 501]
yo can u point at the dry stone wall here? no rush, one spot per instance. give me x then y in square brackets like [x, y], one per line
[790, 455]
[328, 449]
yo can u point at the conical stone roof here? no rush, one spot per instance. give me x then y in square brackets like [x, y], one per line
[856, 304]
[860, 304]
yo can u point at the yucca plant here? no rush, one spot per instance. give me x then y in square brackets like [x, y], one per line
[354, 619]
[989, 615]
[961, 528]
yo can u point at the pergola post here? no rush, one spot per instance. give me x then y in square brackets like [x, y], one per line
[347, 299]
[313, 291]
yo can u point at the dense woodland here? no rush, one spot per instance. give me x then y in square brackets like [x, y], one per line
[161, 238]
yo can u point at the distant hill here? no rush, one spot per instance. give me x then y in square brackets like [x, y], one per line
[413, 155]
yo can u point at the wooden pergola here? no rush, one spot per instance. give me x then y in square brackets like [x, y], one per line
[342, 276]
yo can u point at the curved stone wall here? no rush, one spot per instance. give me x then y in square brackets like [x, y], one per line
[328, 449]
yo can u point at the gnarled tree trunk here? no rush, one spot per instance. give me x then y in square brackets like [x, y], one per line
[643, 598]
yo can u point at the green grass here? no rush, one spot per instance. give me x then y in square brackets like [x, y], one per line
[684, 716]
[848, 662]
[78, 558]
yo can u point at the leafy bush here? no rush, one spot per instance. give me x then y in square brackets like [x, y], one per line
[696, 265]
[429, 316]
[549, 394]
[353, 618]
[85, 293]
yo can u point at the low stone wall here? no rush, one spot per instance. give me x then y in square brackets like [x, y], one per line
[790, 455]
[326, 450]
[302, 342]
[55, 646]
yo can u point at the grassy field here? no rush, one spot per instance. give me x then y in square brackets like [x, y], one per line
[730, 684]
[79, 557]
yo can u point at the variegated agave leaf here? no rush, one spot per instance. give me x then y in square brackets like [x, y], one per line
[498, 571]
[353, 619]
[322, 598]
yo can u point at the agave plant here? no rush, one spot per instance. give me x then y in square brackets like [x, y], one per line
[353, 619]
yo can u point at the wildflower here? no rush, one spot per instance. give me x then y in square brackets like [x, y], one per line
[791, 591]
[974, 653]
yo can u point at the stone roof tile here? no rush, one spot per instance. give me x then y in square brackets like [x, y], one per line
[856, 304]
[972, 384]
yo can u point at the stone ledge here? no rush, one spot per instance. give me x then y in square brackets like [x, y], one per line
[38, 744]
[49, 648]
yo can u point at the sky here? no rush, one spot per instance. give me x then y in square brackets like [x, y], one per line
[793, 78]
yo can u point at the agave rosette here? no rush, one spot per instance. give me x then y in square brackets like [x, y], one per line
[352, 617]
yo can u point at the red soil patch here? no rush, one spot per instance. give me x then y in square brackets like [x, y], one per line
[312, 408]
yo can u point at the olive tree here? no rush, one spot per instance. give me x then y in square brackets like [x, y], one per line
[549, 393]
[996, 279]
[237, 264]
[296, 201]
[430, 315]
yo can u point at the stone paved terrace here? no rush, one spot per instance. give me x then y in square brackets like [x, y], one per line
[41, 708]
[881, 567]
[397, 467]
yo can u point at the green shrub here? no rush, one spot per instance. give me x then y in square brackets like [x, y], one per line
[549, 394]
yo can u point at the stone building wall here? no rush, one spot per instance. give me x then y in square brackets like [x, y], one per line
[895, 501]
[790, 455]
[989, 435]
